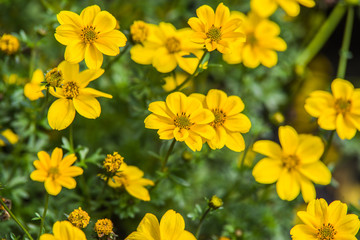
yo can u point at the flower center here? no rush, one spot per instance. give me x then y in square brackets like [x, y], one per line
[220, 118]
[342, 106]
[71, 90]
[173, 45]
[54, 78]
[139, 31]
[53, 172]
[183, 121]
[113, 162]
[291, 162]
[326, 232]
[88, 34]
[214, 33]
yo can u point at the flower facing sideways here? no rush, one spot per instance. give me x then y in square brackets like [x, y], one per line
[33, 89]
[64, 230]
[267, 7]
[89, 36]
[55, 171]
[326, 222]
[182, 118]
[294, 165]
[74, 95]
[171, 227]
[339, 110]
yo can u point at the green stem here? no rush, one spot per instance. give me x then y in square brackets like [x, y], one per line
[192, 75]
[71, 139]
[344, 51]
[163, 165]
[43, 108]
[328, 145]
[322, 36]
[15, 219]
[201, 222]
[112, 61]
[44, 214]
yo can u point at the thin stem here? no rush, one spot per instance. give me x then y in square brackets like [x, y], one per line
[163, 165]
[201, 222]
[44, 214]
[344, 51]
[112, 61]
[43, 110]
[15, 219]
[328, 145]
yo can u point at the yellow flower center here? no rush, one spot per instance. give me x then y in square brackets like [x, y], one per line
[9, 44]
[53, 172]
[113, 162]
[291, 162]
[88, 34]
[54, 78]
[71, 90]
[326, 232]
[173, 45]
[220, 118]
[183, 121]
[79, 218]
[214, 33]
[342, 106]
[139, 31]
[103, 227]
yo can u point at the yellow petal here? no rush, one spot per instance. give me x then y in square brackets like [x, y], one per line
[307, 3]
[187, 64]
[268, 148]
[267, 170]
[93, 57]
[327, 119]
[149, 226]
[266, 29]
[310, 148]
[67, 161]
[344, 128]
[216, 99]
[44, 158]
[56, 156]
[171, 225]
[307, 189]
[317, 172]
[88, 14]
[263, 7]
[154, 121]
[202, 116]
[219, 138]
[302, 231]
[204, 131]
[348, 224]
[180, 134]
[233, 105]
[222, 14]
[315, 105]
[342, 89]
[309, 219]
[87, 76]
[69, 70]
[104, 22]
[196, 24]
[52, 187]
[142, 55]
[61, 114]
[38, 175]
[235, 141]
[75, 53]
[176, 102]
[67, 17]
[160, 108]
[138, 191]
[87, 106]
[250, 56]
[336, 211]
[72, 171]
[194, 142]
[287, 186]
[163, 61]
[268, 58]
[238, 123]
[68, 34]
[67, 182]
[292, 8]
[33, 91]
[355, 102]
[206, 15]
[107, 47]
[115, 37]
[187, 236]
[288, 139]
[94, 93]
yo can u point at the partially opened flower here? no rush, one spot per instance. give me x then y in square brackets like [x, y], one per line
[171, 227]
[229, 123]
[182, 118]
[294, 165]
[64, 230]
[262, 42]
[74, 95]
[33, 89]
[89, 36]
[326, 222]
[140, 31]
[55, 171]
[9, 44]
[339, 110]
[267, 7]
[215, 30]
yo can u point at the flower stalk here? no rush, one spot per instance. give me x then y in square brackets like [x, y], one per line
[44, 214]
[163, 165]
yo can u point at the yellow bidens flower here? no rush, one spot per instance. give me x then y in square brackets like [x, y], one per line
[64, 230]
[215, 30]
[339, 110]
[113, 162]
[9, 44]
[139, 31]
[323, 222]
[261, 44]
[182, 118]
[33, 89]
[294, 166]
[166, 47]
[171, 227]
[228, 121]
[103, 227]
[89, 36]
[74, 95]
[54, 78]
[267, 7]
[55, 172]
[215, 202]
[131, 178]
[9, 136]
[79, 218]
[174, 80]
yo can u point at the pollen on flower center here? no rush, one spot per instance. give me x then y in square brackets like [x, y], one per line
[342, 106]
[54, 78]
[291, 162]
[182, 121]
[71, 90]
[326, 232]
[53, 172]
[220, 118]
[88, 34]
[173, 45]
[214, 33]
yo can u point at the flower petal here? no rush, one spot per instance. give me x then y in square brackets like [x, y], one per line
[307, 189]
[310, 148]
[138, 191]
[216, 99]
[171, 225]
[104, 22]
[61, 114]
[89, 13]
[68, 17]
[288, 139]
[267, 170]
[233, 105]
[67, 182]
[206, 15]
[317, 172]
[268, 148]
[87, 106]
[235, 141]
[287, 186]
[93, 57]
[222, 14]
[149, 226]
[238, 123]
[94, 93]
[345, 129]
[263, 8]
[75, 53]
[342, 89]
[52, 187]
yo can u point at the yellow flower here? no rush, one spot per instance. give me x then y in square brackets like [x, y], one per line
[9, 44]
[267, 7]
[171, 81]
[261, 44]
[64, 230]
[215, 202]
[140, 31]
[294, 166]
[14, 79]
[113, 162]
[228, 122]
[55, 171]
[339, 110]
[215, 30]
[54, 78]
[323, 222]
[131, 178]
[79, 218]
[74, 95]
[171, 227]
[103, 227]
[182, 118]
[33, 89]
[9, 136]
[166, 47]
[89, 36]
